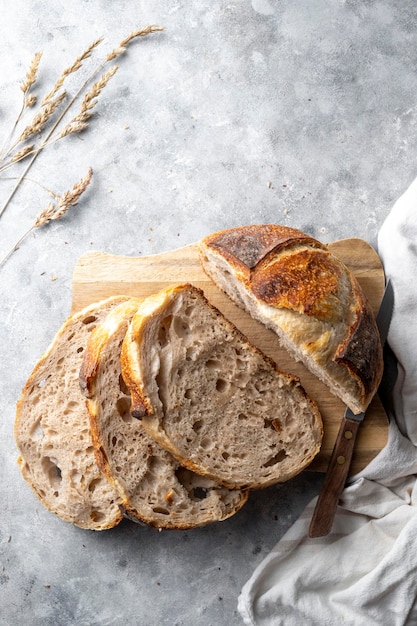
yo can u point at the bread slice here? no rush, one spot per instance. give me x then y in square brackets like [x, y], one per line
[293, 284]
[152, 486]
[212, 399]
[52, 430]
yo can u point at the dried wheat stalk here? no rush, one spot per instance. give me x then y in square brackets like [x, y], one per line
[80, 121]
[50, 104]
[43, 130]
[28, 99]
[55, 211]
[71, 70]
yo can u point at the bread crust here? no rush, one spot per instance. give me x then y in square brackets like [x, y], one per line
[245, 247]
[153, 489]
[286, 269]
[52, 427]
[156, 419]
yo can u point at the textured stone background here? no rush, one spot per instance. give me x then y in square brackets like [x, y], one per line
[301, 113]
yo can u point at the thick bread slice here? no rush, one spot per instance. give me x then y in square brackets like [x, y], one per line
[52, 430]
[152, 486]
[212, 399]
[292, 283]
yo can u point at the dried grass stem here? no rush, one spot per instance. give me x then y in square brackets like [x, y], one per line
[55, 211]
[53, 102]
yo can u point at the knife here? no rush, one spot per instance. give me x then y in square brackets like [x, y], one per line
[339, 464]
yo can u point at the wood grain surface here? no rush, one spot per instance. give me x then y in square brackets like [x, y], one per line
[98, 275]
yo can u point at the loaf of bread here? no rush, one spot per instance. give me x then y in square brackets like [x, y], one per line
[52, 430]
[291, 282]
[212, 399]
[152, 487]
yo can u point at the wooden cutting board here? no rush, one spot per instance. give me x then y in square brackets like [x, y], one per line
[98, 275]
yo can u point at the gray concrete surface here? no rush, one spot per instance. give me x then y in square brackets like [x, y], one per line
[301, 113]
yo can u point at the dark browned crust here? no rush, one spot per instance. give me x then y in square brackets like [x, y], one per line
[140, 404]
[246, 246]
[307, 282]
[92, 357]
[89, 368]
[361, 351]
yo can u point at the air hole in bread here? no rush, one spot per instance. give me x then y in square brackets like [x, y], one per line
[163, 332]
[213, 364]
[92, 485]
[122, 386]
[198, 425]
[123, 409]
[96, 516]
[225, 455]
[183, 476]
[278, 458]
[52, 471]
[187, 479]
[199, 493]
[80, 349]
[156, 466]
[36, 432]
[89, 320]
[181, 328]
[160, 510]
[222, 385]
[206, 443]
[69, 407]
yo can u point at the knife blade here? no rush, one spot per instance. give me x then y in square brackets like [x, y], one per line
[340, 460]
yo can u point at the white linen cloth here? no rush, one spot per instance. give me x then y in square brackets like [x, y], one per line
[364, 573]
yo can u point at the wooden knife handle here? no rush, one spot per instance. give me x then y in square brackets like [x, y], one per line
[334, 482]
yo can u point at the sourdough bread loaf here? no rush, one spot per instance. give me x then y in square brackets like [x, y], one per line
[152, 486]
[52, 430]
[212, 399]
[292, 283]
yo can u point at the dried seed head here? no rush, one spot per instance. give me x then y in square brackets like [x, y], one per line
[90, 98]
[32, 73]
[121, 49]
[39, 121]
[73, 127]
[143, 32]
[24, 152]
[80, 121]
[44, 216]
[30, 101]
[69, 198]
[71, 69]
